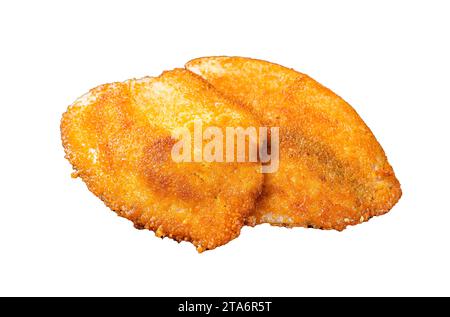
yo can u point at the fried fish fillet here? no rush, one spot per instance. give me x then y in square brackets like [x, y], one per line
[118, 137]
[332, 171]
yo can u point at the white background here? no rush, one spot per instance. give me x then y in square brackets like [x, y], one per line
[390, 60]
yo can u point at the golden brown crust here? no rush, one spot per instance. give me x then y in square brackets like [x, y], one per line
[118, 139]
[333, 172]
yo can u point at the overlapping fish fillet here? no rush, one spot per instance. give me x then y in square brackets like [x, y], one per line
[332, 172]
[118, 138]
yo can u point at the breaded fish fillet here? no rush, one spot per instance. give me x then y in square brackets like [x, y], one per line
[118, 138]
[332, 172]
